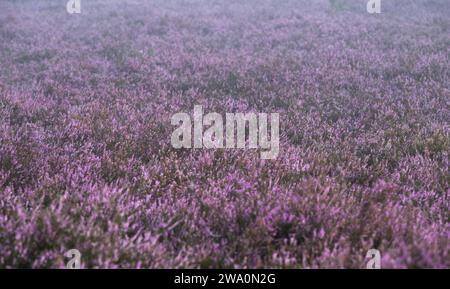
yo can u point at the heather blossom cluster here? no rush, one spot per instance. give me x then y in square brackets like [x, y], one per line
[87, 163]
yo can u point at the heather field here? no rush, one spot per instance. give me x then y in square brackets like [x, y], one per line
[86, 160]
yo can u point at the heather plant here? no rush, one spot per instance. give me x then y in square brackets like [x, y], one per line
[86, 160]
